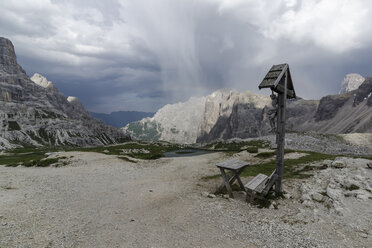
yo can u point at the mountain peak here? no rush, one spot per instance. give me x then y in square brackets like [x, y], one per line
[351, 82]
[7, 53]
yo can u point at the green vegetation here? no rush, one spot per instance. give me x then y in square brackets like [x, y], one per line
[266, 154]
[293, 168]
[252, 149]
[33, 156]
[29, 157]
[251, 145]
[271, 154]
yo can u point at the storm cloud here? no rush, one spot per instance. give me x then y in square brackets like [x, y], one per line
[143, 54]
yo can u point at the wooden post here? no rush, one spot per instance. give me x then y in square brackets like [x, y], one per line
[282, 99]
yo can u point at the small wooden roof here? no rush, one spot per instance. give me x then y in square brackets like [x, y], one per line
[274, 80]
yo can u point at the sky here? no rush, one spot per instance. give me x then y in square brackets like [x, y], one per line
[142, 54]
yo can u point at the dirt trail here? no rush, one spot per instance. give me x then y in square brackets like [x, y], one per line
[102, 201]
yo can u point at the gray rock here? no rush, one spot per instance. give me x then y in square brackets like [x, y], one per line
[369, 165]
[37, 114]
[317, 197]
[339, 164]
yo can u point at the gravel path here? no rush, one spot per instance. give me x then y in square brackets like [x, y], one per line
[102, 201]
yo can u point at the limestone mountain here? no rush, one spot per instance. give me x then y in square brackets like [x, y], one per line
[34, 112]
[174, 122]
[229, 114]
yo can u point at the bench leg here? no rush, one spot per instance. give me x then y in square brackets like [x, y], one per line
[239, 181]
[227, 183]
[250, 196]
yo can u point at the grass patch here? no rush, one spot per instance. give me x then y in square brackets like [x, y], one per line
[41, 163]
[265, 154]
[22, 156]
[30, 157]
[293, 168]
[252, 149]
[236, 146]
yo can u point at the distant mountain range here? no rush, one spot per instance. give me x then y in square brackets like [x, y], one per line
[121, 118]
[227, 114]
[34, 113]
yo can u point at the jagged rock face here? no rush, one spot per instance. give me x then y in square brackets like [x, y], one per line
[329, 105]
[174, 122]
[233, 114]
[351, 82]
[364, 92]
[31, 114]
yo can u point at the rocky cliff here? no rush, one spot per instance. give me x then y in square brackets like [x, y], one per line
[229, 114]
[174, 122]
[33, 112]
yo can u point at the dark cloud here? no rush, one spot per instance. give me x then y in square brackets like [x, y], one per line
[141, 55]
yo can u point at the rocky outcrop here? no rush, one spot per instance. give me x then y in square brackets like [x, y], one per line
[351, 82]
[43, 82]
[37, 114]
[229, 113]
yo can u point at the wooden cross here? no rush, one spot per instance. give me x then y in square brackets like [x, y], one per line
[279, 80]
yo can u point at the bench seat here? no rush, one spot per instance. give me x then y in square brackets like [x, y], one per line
[257, 184]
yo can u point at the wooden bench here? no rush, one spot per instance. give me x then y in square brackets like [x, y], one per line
[259, 186]
[235, 167]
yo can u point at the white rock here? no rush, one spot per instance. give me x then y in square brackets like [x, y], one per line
[211, 195]
[43, 82]
[351, 82]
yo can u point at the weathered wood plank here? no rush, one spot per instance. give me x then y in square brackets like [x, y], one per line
[277, 67]
[232, 164]
[272, 74]
[227, 184]
[257, 184]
